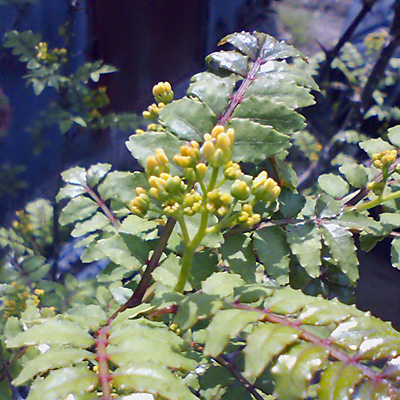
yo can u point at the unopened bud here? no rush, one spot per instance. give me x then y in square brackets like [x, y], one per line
[240, 190]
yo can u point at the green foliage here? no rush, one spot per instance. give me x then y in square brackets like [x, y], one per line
[218, 283]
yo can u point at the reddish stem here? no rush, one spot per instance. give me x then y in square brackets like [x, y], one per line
[309, 337]
[102, 358]
[109, 214]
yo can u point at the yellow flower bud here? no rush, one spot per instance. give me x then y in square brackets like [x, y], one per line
[208, 150]
[161, 157]
[223, 142]
[139, 190]
[240, 190]
[157, 183]
[202, 168]
[151, 164]
[232, 171]
[218, 129]
[219, 159]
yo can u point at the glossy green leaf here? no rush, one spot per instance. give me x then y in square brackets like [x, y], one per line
[294, 370]
[226, 325]
[121, 184]
[213, 90]
[222, 284]
[53, 332]
[97, 222]
[188, 119]
[333, 185]
[59, 384]
[238, 253]
[395, 253]
[131, 313]
[290, 204]
[394, 135]
[75, 176]
[255, 142]
[281, 91]
[253, 293]
[51, 359]
[167, 273]
[96, 173]
[78, 209]
[145, 349]
[144, 146]
[278, 50]
[373, 146]
[229, 60]
[264, 343]
[305, 242]
[155, 379]
[128, 330]
[342, 247]
[89, 317]
[70, 191]
[327, 207]
[196, 307]
[355, 174]
[339, 381]
[244, 42]
[117, 250]
[260, 109]
[273, 251]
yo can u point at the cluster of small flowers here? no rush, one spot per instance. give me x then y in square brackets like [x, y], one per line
[384, 158]
[163, 94]
[175, 195]
[16, 299]
[43, 54]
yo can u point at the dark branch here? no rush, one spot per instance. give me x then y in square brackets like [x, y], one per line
[332, 54]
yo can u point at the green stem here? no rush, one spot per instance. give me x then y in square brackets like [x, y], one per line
[185, 232]
[212, 182]
[189, 252]
[200, 180]
[378, 201]
[191, 247]
[224, 221]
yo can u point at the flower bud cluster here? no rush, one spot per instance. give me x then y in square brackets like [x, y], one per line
[247, 217]
[264, 188]
[51, 57]
[384, 158]
[217, 146]
[232, 171]
[157, 164]
[163, 93]
[192, 203]
[188, 156]
[15, 301]
[153, 110]
[140, 204]
[218, 202]
[179, 196]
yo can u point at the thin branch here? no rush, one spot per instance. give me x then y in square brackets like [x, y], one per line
[152, 264]
[109, 214]
[332, 54]
[383, 60]
[9, 363]
[238, 96]
[234, 370]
